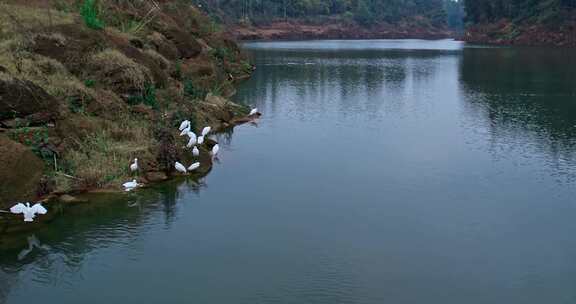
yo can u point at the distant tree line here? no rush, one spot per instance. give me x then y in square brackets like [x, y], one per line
[365, 12]
[478, 11]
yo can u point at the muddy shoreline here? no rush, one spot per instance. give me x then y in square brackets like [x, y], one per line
[301, 31]
[58, 203]
[507, 33]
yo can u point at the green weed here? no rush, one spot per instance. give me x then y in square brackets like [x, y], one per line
[90, 14]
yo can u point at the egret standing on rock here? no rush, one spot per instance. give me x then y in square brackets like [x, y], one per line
[185, 124]
[134, 166]
[180, 168]
[195, 152]
[206, 130]
[28, 212]
[215, 150]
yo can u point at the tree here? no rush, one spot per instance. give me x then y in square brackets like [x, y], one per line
[364, 14]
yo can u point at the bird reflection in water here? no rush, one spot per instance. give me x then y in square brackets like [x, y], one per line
[33, 243]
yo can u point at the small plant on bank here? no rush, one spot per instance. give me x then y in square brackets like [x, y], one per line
[178, 69]
[90, 15]
[62, 6]
[222, 53]
[190, 90]
[216, 90]
[89, 83]
[147, 97]
[76, 105]
[37, 140]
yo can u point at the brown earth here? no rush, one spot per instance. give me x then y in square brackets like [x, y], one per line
[23, 99]
[71, 95]
[505, 32]
[21, 171]
[293, 30]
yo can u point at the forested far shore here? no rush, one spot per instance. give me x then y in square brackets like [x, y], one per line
[521, 22]
[316, 19]
[362, 11]
[537, 11]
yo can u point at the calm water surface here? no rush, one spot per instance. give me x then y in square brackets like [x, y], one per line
[382, 172]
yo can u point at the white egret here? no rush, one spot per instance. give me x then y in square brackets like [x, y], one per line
[129, 186]
[192, 135]
[180, 168]
[134, 166]
[28, 212]
[194, 166]
[195, 152]
[185, 124]
[191, 142]
[253, 112]
[215, 150]
[206, 130]
[200, 140]
[185, 131]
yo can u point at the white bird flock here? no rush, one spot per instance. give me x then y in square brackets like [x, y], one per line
[193, 142]
[28, 212]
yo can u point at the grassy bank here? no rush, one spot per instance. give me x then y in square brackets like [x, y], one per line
[86, 86]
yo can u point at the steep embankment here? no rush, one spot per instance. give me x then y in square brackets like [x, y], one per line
[85, 87]
[505, 32]
[335, 29]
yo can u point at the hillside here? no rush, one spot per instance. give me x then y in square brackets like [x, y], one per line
[87, 86]
[521, 22]
[304, 19]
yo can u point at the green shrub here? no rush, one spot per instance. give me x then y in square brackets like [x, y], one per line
[36, 139]
[217, 89]
[89, 83]
[89, 13]
[178, 69]
[222, 53]
[76, 105]
[147, 97]
[190, 90]
[246, 66]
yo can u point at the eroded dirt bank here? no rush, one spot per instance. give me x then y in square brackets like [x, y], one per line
[294, 30]
[506, 32]
[78, 102]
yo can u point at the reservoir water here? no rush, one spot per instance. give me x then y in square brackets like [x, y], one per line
[382, 171]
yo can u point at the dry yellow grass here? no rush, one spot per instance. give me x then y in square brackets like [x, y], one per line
[158, 58]
[102, 159]
[47, 73]
[112, 67]
[16, 19]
